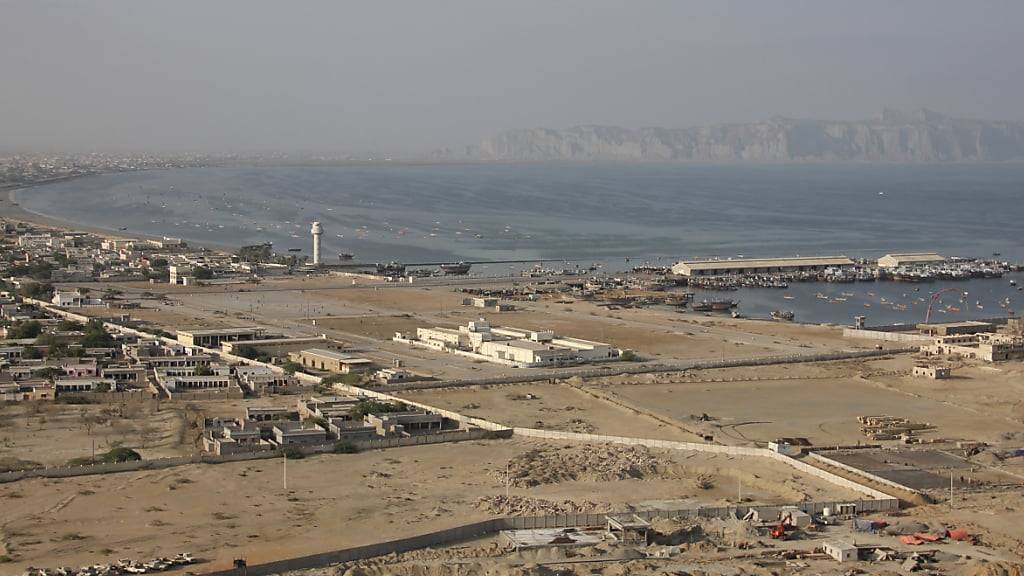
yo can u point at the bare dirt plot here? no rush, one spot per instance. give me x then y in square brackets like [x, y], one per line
[51, 434]
[547, 406]
[222, 512]
[821, 409]
[380, 327]
[993, 390]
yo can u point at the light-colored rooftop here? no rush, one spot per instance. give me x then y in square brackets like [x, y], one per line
[766, 262]
[219, 331]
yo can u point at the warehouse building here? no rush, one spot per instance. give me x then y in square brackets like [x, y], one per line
[330, 361]
[909, 259]
[213, 337]
[760, 265]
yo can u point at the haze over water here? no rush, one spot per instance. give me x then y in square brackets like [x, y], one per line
[586, 212]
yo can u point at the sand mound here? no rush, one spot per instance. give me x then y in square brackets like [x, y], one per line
[982, 568]
[673, 532]
[589, 462]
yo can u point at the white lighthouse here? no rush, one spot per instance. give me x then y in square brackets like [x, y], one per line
[317, 231]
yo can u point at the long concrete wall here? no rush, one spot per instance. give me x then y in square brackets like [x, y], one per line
[617, 369]
[885, 336]
[479, 529]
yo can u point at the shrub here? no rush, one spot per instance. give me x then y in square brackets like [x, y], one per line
[491, 435]
[293, 453]
[360, 410]
[344, 447]
[627, 356]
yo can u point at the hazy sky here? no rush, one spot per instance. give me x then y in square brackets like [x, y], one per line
[408, 76]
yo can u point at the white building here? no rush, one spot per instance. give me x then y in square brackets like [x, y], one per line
[514, 346]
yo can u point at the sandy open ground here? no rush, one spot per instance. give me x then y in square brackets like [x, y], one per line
[818, 401]
[220, 512]
[52, 433]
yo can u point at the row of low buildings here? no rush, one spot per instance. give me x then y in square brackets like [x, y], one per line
[987, 346]
[512, 346]
[61, 256]
[313, 354]
[320, 420]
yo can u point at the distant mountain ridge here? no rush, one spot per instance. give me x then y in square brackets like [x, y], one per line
[894, 136]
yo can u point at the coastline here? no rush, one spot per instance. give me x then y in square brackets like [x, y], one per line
[12, 209]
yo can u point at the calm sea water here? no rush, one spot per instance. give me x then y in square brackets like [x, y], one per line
[602, 213]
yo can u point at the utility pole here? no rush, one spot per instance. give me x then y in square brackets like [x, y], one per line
[285, 456]
[951, 489]
[507, 481]
[740, 482]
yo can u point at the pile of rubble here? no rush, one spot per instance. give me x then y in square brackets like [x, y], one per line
[590, 462]
[121, 567]
[523, 506]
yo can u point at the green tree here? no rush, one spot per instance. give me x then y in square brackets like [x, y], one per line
[204, 371]
[26, 329]
[291, 368]
[96, 336]
[50, 373]
[202, 273]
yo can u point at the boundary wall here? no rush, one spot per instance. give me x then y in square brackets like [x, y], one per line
[486, 527]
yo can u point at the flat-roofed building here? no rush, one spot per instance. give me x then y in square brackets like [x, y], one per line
[760, 265]
[951, 328]
[214, 337]
[909, 259]
[175, 384]
[330, 361]
[66, 385]
[290, 433]
[985, 346]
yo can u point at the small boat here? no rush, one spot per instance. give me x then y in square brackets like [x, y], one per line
[788, 297]
[782, 315]
[1013, 282]
[345, 256]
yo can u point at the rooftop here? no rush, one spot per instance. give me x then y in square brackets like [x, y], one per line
[767, 262]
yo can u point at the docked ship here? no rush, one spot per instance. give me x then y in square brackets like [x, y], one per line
[345, 256]
[391, 269]
[455, 268]
[713, 305]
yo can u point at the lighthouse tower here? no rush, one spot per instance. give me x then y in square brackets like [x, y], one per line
[317, 232]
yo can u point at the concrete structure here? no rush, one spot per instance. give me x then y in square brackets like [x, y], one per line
[327, 407]
[287, 434]
[330, 361]
[987, 346]
[760, 265]
[933, 372]
[405, 423]
[214, 337]
[273, 346]
[951, 328]
[840, 551]
[192, 383]
[66, 385]
[317, 231]
[513, 346]
[394, 376]
[74, 300]
[909, 259]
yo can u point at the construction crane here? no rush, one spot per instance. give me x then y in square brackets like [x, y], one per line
[934, 299]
